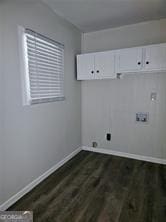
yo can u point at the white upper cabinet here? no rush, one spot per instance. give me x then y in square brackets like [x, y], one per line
[86, 66]
[105, 65]
[100, 65]
[141, 59]
[129, 60]
[155, 57]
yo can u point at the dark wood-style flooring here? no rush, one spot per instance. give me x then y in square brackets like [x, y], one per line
[100, 188]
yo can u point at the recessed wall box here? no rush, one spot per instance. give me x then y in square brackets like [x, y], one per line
[142, 117]
[153, 96]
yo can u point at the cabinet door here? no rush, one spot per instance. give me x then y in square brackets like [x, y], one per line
[155, 57]
[85, 66]
[105, 65]
[129, 60]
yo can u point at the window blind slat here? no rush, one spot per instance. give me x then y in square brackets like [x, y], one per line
[35, 93]
[36, 65]
[44, 71]
[43, 56]
[46, 52]
[44, 93]
[43, 85]
[37, 45]
[46, 90]
[56, 55]
[33, 60]
[37, 40]
[44, 78]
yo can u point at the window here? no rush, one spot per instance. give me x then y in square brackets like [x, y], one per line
[43, 62]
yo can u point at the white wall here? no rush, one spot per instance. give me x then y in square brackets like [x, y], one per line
[110, 105]
[39, 136]
[1, 112]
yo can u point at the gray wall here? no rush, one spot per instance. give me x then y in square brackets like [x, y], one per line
[110, 105]
[39, 136]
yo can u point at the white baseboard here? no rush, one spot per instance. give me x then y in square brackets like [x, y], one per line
[128, 155]
[34, 183]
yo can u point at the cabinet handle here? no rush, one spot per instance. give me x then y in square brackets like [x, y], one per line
[147, 62]
[97, 71]
[139, 63]
[92, 72]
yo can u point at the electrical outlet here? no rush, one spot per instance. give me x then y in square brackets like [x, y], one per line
[108, 136]
[94, 144]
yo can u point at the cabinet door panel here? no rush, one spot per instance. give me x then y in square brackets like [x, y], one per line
[105, 65]
[85, 67]
[129, 60]
[155, 57]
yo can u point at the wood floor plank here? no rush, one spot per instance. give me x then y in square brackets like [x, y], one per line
[57, 206]
[100, 188]
[159, 212]
[118, 190]
[134, 200]
[94, 185]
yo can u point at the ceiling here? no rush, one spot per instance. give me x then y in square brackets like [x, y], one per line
[91, 15]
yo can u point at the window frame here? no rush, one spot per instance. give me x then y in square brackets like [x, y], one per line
[25, 78]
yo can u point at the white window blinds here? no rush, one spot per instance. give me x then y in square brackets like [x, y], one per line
[45, 68]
